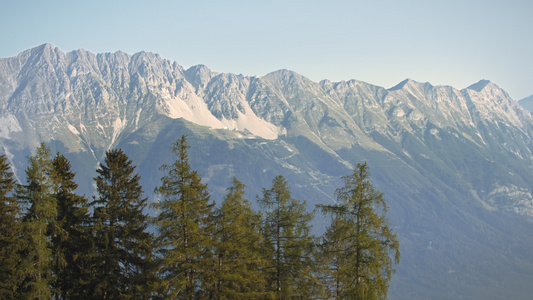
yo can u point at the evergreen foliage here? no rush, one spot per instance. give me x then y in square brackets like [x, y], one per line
[11, 242]
[238, 248]
[289, 243]
[184, 224]
[38, 197]
[52, 247]
[122, 264]
[71, 235]
[357, 247]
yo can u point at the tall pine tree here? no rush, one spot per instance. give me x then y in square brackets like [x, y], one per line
[287, 233]
[11, 241]
[123, 263]
[238, 248]
[184, 225]
[359, 249]
[70, 234]
[38, 197]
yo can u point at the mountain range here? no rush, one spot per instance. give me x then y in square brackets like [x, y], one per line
[455, 166]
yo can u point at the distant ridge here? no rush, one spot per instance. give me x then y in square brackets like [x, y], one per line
[527, 103]
[47, 49]
[479, 86]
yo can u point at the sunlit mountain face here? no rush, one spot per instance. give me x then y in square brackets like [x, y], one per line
[455, 166]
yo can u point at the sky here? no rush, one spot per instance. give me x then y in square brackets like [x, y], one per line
[381, 42]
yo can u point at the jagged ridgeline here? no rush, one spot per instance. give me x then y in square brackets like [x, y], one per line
[455, 166]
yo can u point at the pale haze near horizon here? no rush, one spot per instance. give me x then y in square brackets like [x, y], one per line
[454, 43]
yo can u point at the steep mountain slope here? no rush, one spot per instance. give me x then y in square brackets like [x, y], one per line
[455, 165]
[527, 103]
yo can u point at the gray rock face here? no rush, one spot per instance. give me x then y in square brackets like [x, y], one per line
[527, 103]
[456, 166]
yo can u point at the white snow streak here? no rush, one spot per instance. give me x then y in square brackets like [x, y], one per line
[8, 124]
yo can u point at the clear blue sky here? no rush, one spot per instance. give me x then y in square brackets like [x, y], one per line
[381, 42]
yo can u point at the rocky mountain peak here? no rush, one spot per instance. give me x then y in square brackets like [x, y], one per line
[285, 76]
[44, 50]
[527, 103]
[410, 83]
[480, 85]
[43, 54]
[199, 75]
[400, 85]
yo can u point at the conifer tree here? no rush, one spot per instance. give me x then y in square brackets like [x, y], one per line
[70, 236]
[335, 259]
[286, 230]
[122, 262]
[358, 245]
[11, 241]
[238, 248]
[184, 225]
[39, 199]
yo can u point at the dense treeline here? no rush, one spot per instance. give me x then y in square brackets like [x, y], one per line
[57, 244]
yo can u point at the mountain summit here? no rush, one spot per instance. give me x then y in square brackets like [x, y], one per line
[480, 85]
[527, 103]
[455, 165]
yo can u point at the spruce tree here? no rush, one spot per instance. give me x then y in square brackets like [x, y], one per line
[184, 224]
[359, 248]
[287, 233]
[11, 241]
[38, 221]
[238, 248]
[122, 261]
[70, 236]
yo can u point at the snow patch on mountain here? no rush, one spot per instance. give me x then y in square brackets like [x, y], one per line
[73, 129]
[118, 126]
[8, 125]
[257, 126]
[137, 118]
[191, 108]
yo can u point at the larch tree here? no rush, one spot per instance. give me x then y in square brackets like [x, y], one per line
[41, 209]
[123, 262]
[11, 241]
[335, 256]
[184, 225]
[70, 234]
[287, 233]
[238, 248]
[358, 249]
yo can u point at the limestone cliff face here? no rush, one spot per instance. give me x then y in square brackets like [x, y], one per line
[92, 102]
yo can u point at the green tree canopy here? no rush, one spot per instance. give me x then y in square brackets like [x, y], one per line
[71, 235]
[287, 234]
[123, 263]
[238, 248]
[359, 248]
[11, 242]
[184, 224]
[41, 209]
